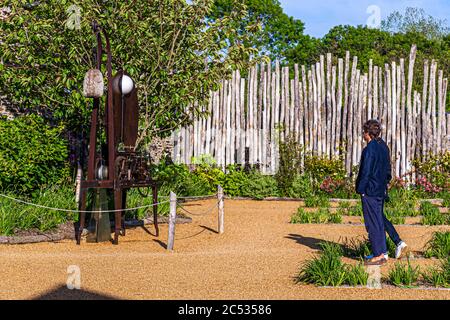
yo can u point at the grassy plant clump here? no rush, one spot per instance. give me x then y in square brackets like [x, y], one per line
[439, 276]
[404, 275]
[356, 248]
[356, 275]
[356, 210]
[136, 199]
[301, 216]
[16, 216]
[314, 201]
[446, 199]
[427, 208]
[359, 248]
[394, 216]
[323, 215]
[431, 215]
[335, 217]
[344, 204]
[439, 245]
[328, 269]
[403, 202]
[344, 208]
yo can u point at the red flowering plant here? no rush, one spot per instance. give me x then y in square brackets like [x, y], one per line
[330, 185]
[424, 185]
[433, 172]
[398, 183]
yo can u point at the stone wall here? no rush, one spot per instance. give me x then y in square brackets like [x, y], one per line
[159, 148]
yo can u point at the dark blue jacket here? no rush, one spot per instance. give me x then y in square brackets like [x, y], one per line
[374, 169]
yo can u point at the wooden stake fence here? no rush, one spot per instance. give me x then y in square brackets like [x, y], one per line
[324, 106]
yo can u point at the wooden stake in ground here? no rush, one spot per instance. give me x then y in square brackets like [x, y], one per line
[339, 124]
[221, 209]
[172, 220]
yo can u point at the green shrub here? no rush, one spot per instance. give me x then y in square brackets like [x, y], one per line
[321, 167]
[32, 155]
[16, 216]
[301, 187]
[179, 179]
[404, 275]
[314, 201]
[439, 276]
[439, 245]
[290, 163]
[234, 181]
[260, 186]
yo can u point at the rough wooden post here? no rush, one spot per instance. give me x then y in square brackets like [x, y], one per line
[220, 199]
[78, 184]
[172, 218]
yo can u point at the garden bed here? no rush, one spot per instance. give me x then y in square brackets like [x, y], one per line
[255, 258]
[67, 231]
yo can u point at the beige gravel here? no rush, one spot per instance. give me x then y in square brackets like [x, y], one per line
[256, 258]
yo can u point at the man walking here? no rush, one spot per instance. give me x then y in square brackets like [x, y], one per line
[373, 178]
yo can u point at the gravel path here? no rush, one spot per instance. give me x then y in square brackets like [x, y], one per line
[256, 258]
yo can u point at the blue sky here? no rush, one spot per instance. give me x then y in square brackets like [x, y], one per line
[320, 15]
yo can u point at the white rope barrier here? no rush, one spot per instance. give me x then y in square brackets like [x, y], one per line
[208, 211]
[80, 211]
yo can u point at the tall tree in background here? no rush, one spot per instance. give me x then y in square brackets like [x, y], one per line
[280, 35]
[416, 20]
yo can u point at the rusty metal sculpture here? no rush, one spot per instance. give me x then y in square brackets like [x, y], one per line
[114, 169]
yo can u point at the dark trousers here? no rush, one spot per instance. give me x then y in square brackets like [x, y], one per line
[374, 221]
[391, 230]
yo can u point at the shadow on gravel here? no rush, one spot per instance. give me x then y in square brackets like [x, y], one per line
[162, 244]
[312, 243]
[63, 293]
[209, 229]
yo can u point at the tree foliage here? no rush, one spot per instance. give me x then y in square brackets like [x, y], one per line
[175, 55]
[279, 34]
[32, 154]
[415, 20]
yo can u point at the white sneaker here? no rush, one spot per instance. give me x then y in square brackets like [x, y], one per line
[399, 249]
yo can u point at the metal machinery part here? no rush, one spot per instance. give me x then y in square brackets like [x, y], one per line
[114, 169]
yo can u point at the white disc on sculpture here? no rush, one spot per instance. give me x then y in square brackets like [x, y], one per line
[127, 84]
